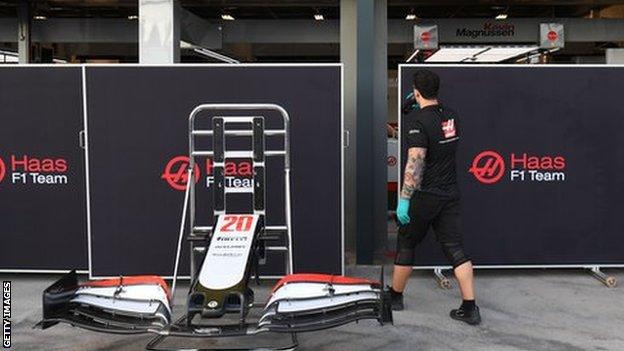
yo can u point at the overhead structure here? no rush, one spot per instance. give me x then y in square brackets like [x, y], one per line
[207, 53]
[426, 37]
[159, 31]
[551, 35]
[8, 57]
[479, 54]
[486, 42]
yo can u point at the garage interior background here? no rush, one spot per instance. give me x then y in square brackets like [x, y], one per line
[193, 31]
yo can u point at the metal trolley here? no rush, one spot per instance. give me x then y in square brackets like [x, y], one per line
[251, 126]
[220, 154]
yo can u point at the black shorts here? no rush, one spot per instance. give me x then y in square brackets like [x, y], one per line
[426, 211]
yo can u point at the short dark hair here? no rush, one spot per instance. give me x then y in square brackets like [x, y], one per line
[427, 83]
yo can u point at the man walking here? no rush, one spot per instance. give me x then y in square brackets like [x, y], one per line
[429, 196]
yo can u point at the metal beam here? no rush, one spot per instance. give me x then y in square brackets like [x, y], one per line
[281, 31]
[199, 31]
[159, 31]
[614, 56]
[371, 177]
[379, 135]
[23, 32]
[348, 56]
[101, 30]
[109, 30]
[503, 3]
[262, 3]
[85, 30]
[365, 119]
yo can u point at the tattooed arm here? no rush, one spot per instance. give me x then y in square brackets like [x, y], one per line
[413, 171]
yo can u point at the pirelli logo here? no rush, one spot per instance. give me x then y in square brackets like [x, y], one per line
[6, 314]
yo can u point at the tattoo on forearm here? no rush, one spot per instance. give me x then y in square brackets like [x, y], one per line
[414, 168]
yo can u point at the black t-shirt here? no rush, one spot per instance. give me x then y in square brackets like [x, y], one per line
[435, 128]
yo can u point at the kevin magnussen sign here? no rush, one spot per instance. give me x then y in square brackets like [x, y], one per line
[489, 29]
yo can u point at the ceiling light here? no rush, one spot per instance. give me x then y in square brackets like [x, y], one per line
[501, 16]
[40, 17]
[410, 17]
[227, 17]
[133, 17]
[319, 17]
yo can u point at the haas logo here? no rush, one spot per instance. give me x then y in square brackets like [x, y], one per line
[392, 161]
[448, 127]
[425, 36]
[176, 172]
[2, 170]
[552, 35]
[488, 167]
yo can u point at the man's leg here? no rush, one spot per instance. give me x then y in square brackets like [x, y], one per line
[409, 236]
[447, 227]
[468, 311]
[400, 275]
[404, 259]
[465, 278]
[402, 269]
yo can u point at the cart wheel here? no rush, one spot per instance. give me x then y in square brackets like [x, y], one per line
[445, 283]
[611, 282]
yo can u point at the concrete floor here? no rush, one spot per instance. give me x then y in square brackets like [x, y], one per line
[522, 310]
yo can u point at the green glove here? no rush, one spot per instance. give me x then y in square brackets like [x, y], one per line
[409, 104]
[402, 211]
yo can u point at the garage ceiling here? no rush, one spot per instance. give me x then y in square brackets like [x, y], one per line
[305, 9]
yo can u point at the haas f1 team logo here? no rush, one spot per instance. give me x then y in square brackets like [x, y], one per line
[448, 127]
[237, 174]
[488, 167]
[392, 161]
[176, 172]
[2, 170]
[30, 170]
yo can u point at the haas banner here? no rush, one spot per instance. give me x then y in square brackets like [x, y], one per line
[138, 160]
[540, 162]
[42, 183]
[94, 160]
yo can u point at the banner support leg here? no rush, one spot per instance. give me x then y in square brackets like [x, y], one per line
[441, 279]
[609, 281]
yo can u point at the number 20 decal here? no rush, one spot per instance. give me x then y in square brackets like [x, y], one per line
[241, 223]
